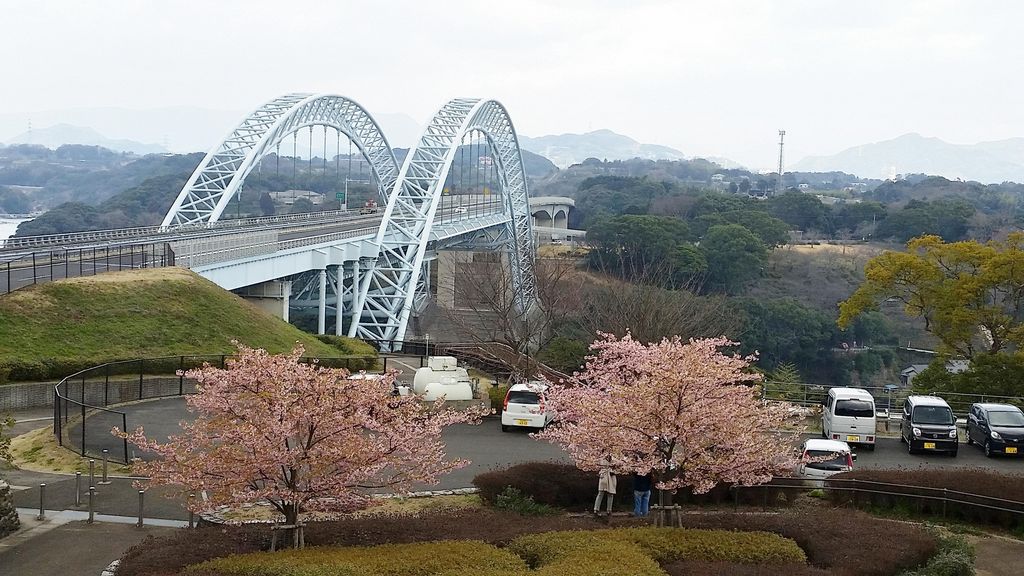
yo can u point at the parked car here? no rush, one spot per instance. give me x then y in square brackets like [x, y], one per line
[459, 210]
[525, 407]
[928, 424]
[849, 414]
[820, 459]
[997, 428]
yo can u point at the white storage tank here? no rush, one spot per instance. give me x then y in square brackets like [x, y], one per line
[443, 377]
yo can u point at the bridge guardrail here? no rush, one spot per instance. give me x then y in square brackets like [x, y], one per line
[49, 265]
[82, 418]
[29, 242]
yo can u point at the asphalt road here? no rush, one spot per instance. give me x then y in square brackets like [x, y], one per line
[487, 447]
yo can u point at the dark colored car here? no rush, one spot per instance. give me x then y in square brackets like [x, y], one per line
[928, 425]
[997, 428]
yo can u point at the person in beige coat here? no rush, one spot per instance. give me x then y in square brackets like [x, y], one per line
[605, 485]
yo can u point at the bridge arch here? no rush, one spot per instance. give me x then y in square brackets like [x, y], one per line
[387, 294]
[221, 173]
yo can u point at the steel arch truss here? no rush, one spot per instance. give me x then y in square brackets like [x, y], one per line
[387, 293]
[221, 173]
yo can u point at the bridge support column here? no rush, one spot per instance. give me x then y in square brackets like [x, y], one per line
[339, 303]
[322, 311]
[273, 297]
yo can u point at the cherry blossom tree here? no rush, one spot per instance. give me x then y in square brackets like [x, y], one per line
[683, 411]
[299, 436]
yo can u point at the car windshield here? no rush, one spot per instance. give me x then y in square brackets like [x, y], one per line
[1007, 419]
[855, 408]
[832, 460]
[523, 397]
[933, 415]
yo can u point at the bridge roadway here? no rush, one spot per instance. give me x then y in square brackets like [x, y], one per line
[31, 260]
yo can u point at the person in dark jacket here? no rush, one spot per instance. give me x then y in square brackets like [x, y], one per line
[641, 494]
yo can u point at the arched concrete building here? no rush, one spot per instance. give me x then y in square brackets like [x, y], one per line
[551, 211]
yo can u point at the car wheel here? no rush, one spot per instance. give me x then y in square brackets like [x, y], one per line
[910, 447]
[901, 435]
[504, 428]
[988, 449]
[953, 453]
[969, 441]
[871, 447]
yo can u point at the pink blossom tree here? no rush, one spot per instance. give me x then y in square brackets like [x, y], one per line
[683, 411]
[299, 436]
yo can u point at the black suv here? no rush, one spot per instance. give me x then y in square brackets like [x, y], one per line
[997, 428]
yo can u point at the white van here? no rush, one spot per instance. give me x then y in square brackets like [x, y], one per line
[849, 415]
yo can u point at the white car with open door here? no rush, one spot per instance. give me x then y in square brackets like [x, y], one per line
[526, 407]
[820, 459]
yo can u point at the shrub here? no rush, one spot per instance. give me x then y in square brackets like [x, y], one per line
[858, 545]
[955, 557]
[512, 500]
[883, 547]
[448, 557]
[629, 552]
[565, 486]
[348, 346]
[497, 396]
[958, 507]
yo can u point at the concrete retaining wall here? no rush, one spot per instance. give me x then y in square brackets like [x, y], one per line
[98, 392]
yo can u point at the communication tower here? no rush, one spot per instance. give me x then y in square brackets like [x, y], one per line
[778, 182]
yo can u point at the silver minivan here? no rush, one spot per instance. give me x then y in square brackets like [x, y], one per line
[848, 415]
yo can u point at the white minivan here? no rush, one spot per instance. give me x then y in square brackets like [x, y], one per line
[849, 415]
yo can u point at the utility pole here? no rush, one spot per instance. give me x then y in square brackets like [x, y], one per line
[778, 183]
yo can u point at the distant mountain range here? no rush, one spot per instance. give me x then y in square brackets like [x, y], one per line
[986, 162]
[567, 149]
[55, 136]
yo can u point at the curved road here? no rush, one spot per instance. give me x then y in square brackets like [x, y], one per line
[488, 448]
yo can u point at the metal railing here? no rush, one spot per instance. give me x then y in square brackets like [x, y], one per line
[45, 266]
[939, 497]
[83, 421]
[890, 399]
[494, 357]
[67, 238]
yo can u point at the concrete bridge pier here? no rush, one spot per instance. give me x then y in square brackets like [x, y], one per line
[272, 297]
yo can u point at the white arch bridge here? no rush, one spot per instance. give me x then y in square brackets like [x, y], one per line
[367, 265]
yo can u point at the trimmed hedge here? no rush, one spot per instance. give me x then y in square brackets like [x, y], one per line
[855, 544]
[968, 509]
[626, 552]
[566, 486]
[448, 557]
[843, 543]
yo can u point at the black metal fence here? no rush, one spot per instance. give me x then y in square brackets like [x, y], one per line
[19, 270]
[82, 419]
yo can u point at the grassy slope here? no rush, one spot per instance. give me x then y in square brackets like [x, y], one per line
[142, 313]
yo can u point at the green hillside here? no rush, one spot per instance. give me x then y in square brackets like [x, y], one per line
[143, 313]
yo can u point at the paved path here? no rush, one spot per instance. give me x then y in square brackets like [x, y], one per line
[997, 556]
[56, 547]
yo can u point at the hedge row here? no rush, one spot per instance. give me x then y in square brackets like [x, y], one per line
[856, 545]
[839, 543]
[565, 486]
[628, 552]
[913, 495]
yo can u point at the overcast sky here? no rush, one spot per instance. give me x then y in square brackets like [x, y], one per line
[709, 78]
